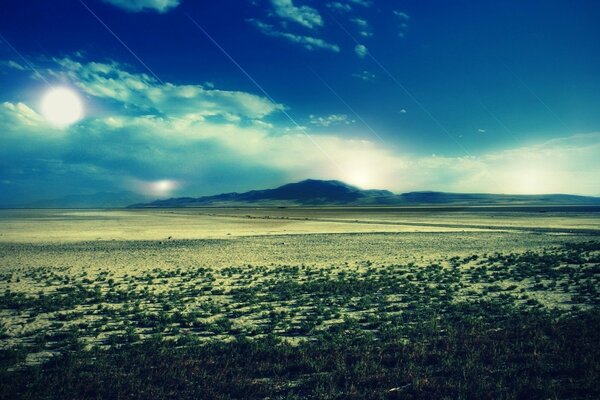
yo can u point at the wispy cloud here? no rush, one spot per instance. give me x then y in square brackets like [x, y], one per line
[161, 6]
[346, 5]
[364, 75]
[22, 114]
[303, 15]
[10, 64]
[331, 120]
[361, 23]
[402, 15]
[403, 19]
[143, 93]
[308, 42]
[337, 6]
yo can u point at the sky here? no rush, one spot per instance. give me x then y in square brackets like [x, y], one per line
[169, 98]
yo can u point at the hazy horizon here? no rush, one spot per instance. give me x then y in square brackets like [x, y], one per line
[124, 199]
[176, 98]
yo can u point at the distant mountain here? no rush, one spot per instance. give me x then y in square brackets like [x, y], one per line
[313, 192]
[491, 199]
[96, 200]
[307, 192]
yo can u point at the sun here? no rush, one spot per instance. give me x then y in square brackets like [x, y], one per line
[62, 106]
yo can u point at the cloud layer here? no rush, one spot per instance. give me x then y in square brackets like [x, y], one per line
[166, 139]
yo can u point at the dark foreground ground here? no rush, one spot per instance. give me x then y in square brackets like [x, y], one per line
[483, 351]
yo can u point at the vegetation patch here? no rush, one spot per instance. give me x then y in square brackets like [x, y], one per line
[501, 325]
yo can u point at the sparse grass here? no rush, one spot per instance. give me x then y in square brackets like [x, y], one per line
[483, 351]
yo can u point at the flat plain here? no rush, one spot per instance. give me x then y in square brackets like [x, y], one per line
[331, 302]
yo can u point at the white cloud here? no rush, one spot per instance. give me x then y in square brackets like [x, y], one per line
[284, 11]
[137, 90]
[361, 50]
[303, 15]
[161, 6]
[308, 42]
[21, 115]
[331, 120]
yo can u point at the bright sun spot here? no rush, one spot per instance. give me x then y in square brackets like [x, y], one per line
[62, 107]
[163, 186]
[160, 188]
[358, 176]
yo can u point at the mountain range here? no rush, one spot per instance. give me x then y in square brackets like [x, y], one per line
[312, 192]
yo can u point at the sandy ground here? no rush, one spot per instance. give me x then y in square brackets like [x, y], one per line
[60, 226]
[126, 240]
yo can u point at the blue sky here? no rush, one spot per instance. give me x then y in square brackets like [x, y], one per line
[185, 97]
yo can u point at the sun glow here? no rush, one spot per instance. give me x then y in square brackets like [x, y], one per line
[529, 179]
[360, 179]
[160, 188]
[62, 107]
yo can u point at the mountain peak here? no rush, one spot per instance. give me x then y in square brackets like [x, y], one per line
[321, 181]
[319, 185]
[310, 191]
